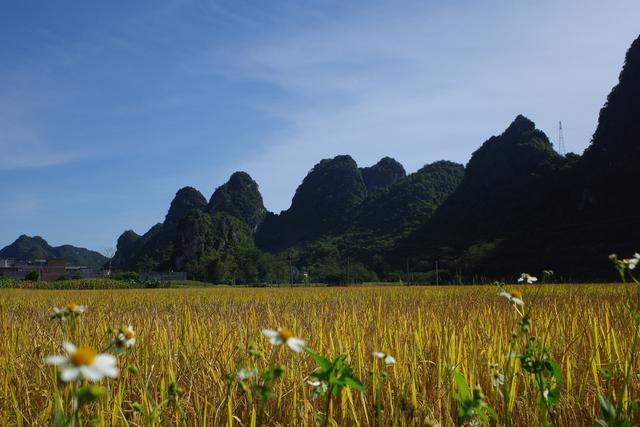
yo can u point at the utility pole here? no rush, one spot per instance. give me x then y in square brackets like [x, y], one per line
[437, 275]
[348, 271]
[408, 278]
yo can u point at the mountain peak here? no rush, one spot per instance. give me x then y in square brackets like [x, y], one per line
[382, 174]
[618, 132]
[520, 125]
[331, 186]
[186, 198]
[240, 197]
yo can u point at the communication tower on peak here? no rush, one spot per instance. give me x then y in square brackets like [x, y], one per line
[561, 148]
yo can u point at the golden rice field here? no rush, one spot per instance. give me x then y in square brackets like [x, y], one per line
[198, 335]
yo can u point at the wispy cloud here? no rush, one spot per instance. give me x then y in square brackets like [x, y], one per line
[422, 83]
[23, 143]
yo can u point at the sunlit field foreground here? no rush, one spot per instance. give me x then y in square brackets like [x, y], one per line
[197, 336]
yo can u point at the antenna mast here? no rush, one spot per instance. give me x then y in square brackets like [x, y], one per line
[561, 148]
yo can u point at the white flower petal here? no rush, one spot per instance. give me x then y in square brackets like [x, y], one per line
[108, 371]
[69, 347]
[389, 360]
[105, 359]
[270, 333]
[56, 360]
[276, 340]
[295, 344]
[69, 374]
[245, 374]
[378, 354]
[90, 373]
[516, 301]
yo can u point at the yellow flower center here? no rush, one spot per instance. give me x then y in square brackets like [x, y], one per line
[516, 294]
[285, 333]
[72, 307]
[83, 356]
[128, 334]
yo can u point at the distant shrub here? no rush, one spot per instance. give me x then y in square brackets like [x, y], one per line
[155, 284]
[7, 282]
[127, 276]
[32, 276]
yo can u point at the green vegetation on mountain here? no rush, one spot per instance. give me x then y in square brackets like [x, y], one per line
[331, 189]
[354, 248]
[154, 249]
[382, 174]
[241, 198]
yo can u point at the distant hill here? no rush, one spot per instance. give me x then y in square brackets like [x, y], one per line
[31, 248]
[210, 241]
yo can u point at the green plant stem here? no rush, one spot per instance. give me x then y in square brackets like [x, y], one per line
[544, 409]
[506, 387]
[327, 405]
[628, 370]
[266, 383]
[75, 407]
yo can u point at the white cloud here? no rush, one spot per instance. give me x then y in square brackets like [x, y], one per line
[421, 84]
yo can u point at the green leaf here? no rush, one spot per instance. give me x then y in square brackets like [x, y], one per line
[354, 383]
[461, 385]
[320, 360]
[273, 373]
[607, 409]
[90, 394]
[556, 371]
[553, 396]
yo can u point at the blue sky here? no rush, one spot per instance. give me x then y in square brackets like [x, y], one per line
[107, 108]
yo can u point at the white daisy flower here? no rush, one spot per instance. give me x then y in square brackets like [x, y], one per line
[631, 263]
[388, 360]
[58, 314]
[319, 388]
[526, 277]
[75, 308]
[497, 379]
[245, 374]
[126, 337]
[284, 336]
[83, 363]
[515, 297]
